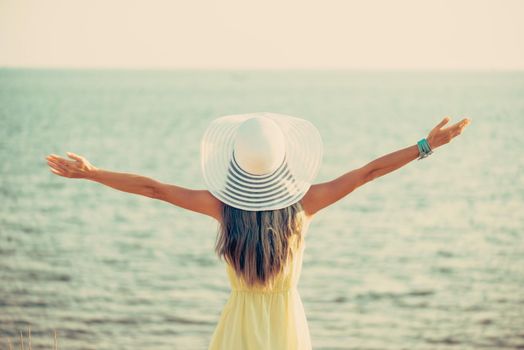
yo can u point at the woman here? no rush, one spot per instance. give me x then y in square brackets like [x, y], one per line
[258, 169]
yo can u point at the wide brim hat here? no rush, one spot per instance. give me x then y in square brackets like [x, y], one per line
[283, 186]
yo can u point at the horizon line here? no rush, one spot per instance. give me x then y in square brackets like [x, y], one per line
[352, 69]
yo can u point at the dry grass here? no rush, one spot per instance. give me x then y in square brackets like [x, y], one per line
[22, 341]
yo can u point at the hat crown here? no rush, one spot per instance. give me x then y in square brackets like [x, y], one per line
[259, 146]
[267, 163]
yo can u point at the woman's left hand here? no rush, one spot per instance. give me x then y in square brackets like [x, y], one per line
[439, 136]
[78, 168]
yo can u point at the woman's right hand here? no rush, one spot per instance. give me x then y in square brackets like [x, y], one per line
[439, 136]
[77, 168]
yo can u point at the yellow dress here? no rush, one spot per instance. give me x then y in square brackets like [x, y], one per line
[262, 318]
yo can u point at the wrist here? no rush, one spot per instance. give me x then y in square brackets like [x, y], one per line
[93, 174]
[432, 142]
[424, 148]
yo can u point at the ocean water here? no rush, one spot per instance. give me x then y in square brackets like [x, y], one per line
[430, 256]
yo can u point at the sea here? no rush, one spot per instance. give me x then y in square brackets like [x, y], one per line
[429, 256]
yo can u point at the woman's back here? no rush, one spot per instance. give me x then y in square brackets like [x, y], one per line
[265, 317]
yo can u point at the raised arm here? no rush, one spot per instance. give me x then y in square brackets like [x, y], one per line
[324, 194]
[201, 201]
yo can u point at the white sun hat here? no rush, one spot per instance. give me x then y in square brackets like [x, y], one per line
[260, 161]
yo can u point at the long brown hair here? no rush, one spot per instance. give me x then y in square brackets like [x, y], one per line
[258, 244]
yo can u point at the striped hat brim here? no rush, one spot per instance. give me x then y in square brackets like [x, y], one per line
[286, 185]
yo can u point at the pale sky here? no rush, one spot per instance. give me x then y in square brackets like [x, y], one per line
[245, 34]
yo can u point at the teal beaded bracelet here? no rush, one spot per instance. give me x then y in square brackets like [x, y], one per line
[423, 149]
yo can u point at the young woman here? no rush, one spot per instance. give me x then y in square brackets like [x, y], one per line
[258, 169]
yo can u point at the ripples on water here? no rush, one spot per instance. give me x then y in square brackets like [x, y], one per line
[428, 257]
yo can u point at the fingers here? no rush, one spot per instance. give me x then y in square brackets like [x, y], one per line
[458, 127]
[56, 158]
[57, 166]
[455, 127]
[75, 156]
[62, 166]
[54, 171]
[443, 122]
[69, 154]
[462, 123]
[466, 121]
